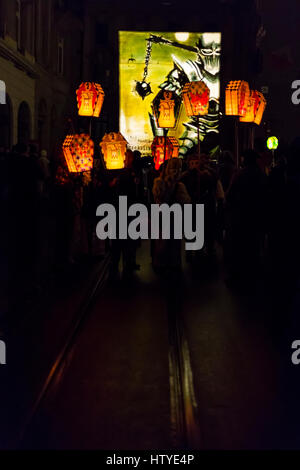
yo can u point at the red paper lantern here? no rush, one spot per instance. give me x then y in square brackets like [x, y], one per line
[255, 108]
[196, 98]
[161, 153]
[79, 152]
[90, 97]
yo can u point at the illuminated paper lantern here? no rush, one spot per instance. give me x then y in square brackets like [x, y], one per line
[237, 96]
[272, 143]
[114, 146]
[260, 106]
[79, 152]
[196, 98]
[166, 107]
[90, 97]
[255, 108]
[161, 153]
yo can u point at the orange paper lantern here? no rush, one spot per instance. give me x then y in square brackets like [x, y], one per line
[196, 98]
[260, 106]
[90, 97]
[160, 154]
[255, 108]
[79, 152]
[114, 146]
[237, 95]
[166, 106]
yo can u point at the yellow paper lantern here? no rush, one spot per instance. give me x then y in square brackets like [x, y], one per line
[237, 95]
[78, 150]
[114, 146]
[255, 108]
[196, 98]
[166, 106]
[160, 152]
[90, 97]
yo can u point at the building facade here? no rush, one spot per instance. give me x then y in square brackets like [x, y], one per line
[40, 64]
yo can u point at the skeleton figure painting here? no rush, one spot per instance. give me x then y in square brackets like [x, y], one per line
[164, 64]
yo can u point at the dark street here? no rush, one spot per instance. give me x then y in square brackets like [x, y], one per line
[113, 387]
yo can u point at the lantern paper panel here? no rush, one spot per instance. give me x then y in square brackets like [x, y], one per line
[114, 146]
[160, 154]
[260, 106]
[166, 107]
[196, 98]
[255, 108]
[90, 97]
[174, 147]
[237, 95]
[79, 152]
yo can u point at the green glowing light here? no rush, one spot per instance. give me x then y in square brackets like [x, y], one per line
[272, 143]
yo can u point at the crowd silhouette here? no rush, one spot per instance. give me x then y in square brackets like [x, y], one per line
[251, 212]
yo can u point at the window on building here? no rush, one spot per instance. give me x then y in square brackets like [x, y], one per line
[60, 67]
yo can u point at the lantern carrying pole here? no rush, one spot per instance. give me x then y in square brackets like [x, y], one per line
[198, 133]
[252, 130]
[236, 134]
[165, 142]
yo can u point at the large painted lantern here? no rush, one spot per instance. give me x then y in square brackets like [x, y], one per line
[114, 146]
[255, 108]
[90, 97]
[163, 148]
[166, 107]
[237, 96]
[196, 98]
[79, 152]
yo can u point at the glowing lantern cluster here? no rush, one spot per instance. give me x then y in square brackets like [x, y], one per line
[166, 106]
[113, 146]
[255, 108]
[162, 152]
[90, 98]
[237, 96]
[196, 98]
[79, 152]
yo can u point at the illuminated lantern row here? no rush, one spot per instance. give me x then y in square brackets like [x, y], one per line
[237, 96]
[166, 107]
[79, 152]
[160, 153]
[196, 98]
[255, 108]
[113, 146]
[90, 98]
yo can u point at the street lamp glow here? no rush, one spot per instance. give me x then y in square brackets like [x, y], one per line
[182, 37]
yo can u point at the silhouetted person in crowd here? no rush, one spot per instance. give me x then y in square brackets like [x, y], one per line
[226, 169]
[23, 175]
[168, 189]
[247, 203]
[126, 183]
[45, 175]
